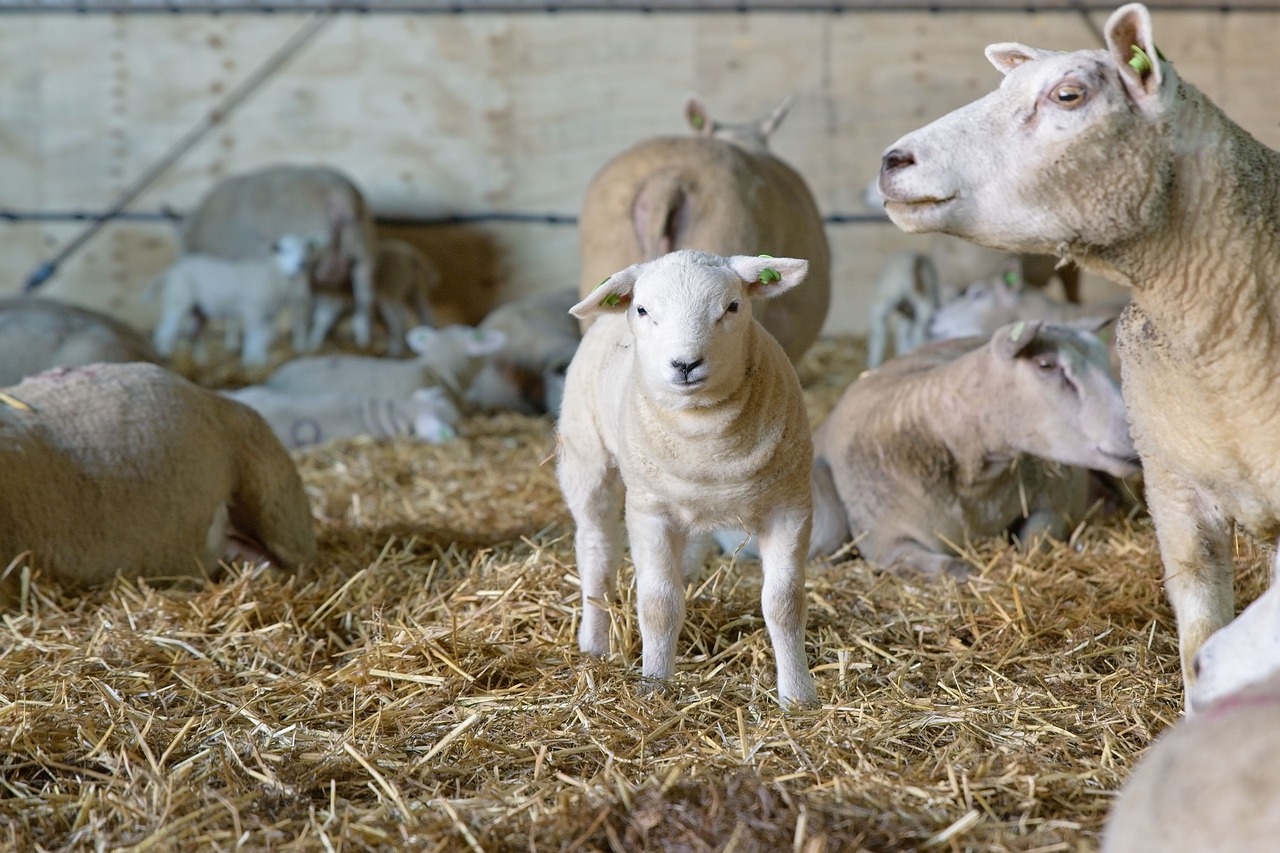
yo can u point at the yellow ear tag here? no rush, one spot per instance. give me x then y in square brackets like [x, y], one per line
[769, 275]
[1017, 332]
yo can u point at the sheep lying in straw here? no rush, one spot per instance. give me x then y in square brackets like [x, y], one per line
[720, 191]
[527, 374]
[960, 439]
[679, 401]
[37, 334]
[1136, 175]
[130, 469]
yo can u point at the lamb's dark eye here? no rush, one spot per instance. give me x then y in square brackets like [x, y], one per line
[1069, 95]
[733, 307]
[641, 312]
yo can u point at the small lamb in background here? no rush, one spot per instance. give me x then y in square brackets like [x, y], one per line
[964, 438]
[448, 358]
[130, 469]
[197, 288]
[906, 295]
[680, 406]
[37, 334]
[299, 420]
[527, 374]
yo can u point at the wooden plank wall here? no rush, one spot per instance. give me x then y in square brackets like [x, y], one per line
[441, 114]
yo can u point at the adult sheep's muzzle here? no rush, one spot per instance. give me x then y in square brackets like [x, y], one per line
[910, 198]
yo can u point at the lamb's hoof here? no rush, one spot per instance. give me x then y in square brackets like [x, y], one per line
[800, 698]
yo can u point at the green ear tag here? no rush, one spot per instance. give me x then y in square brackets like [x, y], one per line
[763, 255]
[1017, 332]
[1010, 279]
[1140, 61]
[610, 301]
[769, 275]
[697, 121]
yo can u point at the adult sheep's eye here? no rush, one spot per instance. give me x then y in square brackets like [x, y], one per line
[641, 312]
[733, 307]
[1069, 95]
[1047, 363]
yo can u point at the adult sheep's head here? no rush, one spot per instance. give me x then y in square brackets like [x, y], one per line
[1071, 153]
[690, 316]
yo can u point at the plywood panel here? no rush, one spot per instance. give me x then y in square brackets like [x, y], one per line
[437, 115]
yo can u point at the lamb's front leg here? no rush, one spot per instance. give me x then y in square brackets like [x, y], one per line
[1195, 547]
[594, 494]
[784, 545]
[656, 549]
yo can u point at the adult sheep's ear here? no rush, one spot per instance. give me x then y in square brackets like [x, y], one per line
[611, 296]
[767, 277]
[1009, 341]
[699, 119]
[1008, 55]
[769, 125]
[1133, 49]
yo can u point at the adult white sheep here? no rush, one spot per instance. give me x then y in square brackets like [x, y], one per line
[131, 469]
[37, 334]
[969, 438]
[679, 401]
[1209, 783]
[244, 215]
[725, 194]
[1107, 157]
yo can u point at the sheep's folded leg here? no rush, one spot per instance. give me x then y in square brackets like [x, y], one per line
[784, 544]
[656, 550]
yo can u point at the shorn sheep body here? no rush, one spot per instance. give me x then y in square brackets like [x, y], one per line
[37, 334]
[1136, 175]
[720, 191]
[680, 405]
[967, 438]
[131, 469]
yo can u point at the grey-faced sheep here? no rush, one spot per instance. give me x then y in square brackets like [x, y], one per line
[679, 402]
[242, 217]
[198, 287]
[717, 195]
[448, 358]
[527, 374]
[37, 334]
[1210, 783]
[299, 420]
[131, 469]
[967, 438]
[1136, 175]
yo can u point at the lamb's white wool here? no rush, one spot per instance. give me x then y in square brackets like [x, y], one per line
[447, 357]
[680, 401]
[904, 300]
[1106, 156]
[1208, 784]
[131, 469]
[302, 419]
[198, 287]
[720, 192]
[965, 438]
[1244, 652]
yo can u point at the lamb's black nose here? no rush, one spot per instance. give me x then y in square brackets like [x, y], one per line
[686, 366]
[896, 159]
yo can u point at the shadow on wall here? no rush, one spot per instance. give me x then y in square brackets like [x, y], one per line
[469, 264]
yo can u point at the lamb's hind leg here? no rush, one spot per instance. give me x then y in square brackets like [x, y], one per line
[594, 495]
[1195, 547]
[784, 544]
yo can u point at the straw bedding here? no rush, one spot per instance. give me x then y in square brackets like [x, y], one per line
[422, 689]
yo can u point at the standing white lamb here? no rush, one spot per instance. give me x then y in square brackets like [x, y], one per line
[680, 405]
[130, 469]
[1136, 175]
[37, 334]
[243, 216]
[197, 287]
[724, 195]
[447, 358]
[966, 438]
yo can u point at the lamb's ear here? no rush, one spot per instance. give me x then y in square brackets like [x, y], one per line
[1008, 55]
[611, 296]
[769, 125]
[482, 342]
[419, 338]
[767, 277]
[696, 114]
[1133, 49]
[1009, 341]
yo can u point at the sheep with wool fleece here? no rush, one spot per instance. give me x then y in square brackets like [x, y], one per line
[1137, 176]
[681, 406]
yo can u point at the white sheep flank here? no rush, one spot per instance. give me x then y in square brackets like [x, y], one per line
[720, 191]
[968, 438]
[37, 334]
[1136, 175]
[680, 405]
[197, 288]
[130, 469]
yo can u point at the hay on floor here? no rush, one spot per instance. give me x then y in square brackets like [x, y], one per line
[421, 690]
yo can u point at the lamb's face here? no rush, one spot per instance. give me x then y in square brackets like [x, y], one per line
[1244, 652]
[978, 310]
[1070, 151]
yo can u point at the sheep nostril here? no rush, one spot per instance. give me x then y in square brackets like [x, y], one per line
[896, 159]
[686, 367]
